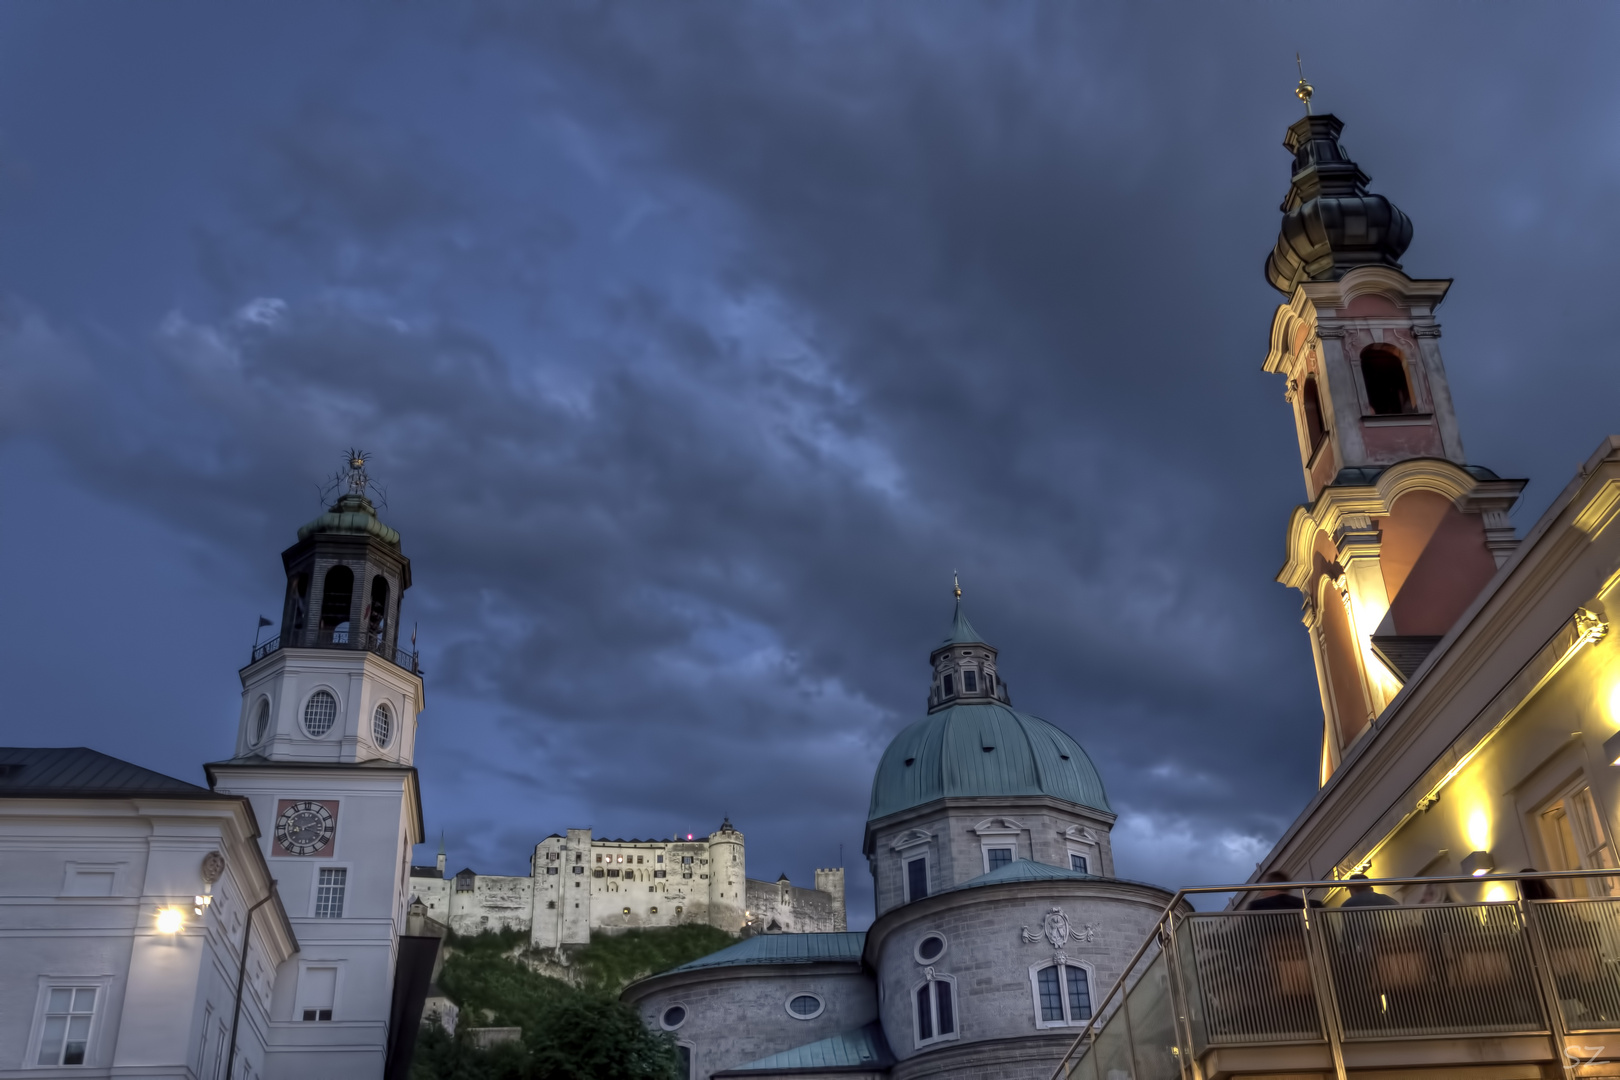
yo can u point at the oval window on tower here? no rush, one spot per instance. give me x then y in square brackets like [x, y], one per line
[320, 713]
[673, 1017]
[382, 724]
[261, 726]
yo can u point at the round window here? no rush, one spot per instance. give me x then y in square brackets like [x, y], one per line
[930, 948]
[382, 724]
[804, 1006]
[320, 712]
[261, 726]
[673, 1017]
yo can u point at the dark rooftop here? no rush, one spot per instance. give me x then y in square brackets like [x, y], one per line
[53, 772]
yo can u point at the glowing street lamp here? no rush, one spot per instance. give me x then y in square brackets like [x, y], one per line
[170, 920]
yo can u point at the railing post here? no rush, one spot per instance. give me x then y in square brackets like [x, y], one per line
[1547, 982]
[1327, 1001]
[1190, 1069]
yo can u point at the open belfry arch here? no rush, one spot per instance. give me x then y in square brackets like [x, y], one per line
[1400, 533]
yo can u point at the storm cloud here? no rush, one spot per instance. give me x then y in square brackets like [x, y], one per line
[698, 345]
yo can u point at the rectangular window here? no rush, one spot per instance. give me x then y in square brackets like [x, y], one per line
[1575, 840]
[613, 873]
[685, 1055]
[596, 873]
[317, 989]
[639, 858]
[916, 879]
[990, 682]
[970, 682]
[942, 999]
[1078, 862]
[1079, 994]
[550, 870]
[329, 893]
[68, 1012]
[1051, 996]
[999, 857]
[660, 873]
[579, 870]
[686, 859]
[660, 858]
[551, 904]
[925, 1013]
[950, 686]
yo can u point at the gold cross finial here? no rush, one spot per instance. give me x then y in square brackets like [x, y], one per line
[956, 584]
[1304, 90]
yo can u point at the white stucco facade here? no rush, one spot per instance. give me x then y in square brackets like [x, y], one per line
[110, 969]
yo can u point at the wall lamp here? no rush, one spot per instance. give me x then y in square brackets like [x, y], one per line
[1611, 749]
[1478, 864]
[170, 920]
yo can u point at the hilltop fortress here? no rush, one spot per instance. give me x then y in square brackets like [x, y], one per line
[578, 885]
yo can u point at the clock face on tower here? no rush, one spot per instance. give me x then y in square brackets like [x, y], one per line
[305, 827]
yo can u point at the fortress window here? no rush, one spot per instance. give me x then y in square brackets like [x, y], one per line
[638, 858]
[1310, 400]
[686, 858]
[1385, 379]
[970, 682]
[550, 870]
[599, 858]
[613, 873]
[579, 869]
[950, 686]
[596, 873]
[660, 858]
[687, 874]
[464, 881]
[916, 879]
[552, 904]
[659, 873]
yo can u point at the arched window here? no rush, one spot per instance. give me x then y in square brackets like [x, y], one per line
[1385, 377]
[934, 1003]
[261, 726]
[297, 605]
[1311, 403]
[337, 598]
[377, 613]
[1062, 993]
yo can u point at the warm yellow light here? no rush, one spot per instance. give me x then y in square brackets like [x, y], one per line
[170, 920]
[1496, 894]
[1479, 829]
[1614, 703]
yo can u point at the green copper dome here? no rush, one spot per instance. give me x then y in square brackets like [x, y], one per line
[986, 749]
[351, 514]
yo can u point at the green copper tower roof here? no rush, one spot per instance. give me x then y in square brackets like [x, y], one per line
[962, 632]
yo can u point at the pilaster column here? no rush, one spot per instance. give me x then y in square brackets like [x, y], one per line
[1358, 541]
[1312, 618]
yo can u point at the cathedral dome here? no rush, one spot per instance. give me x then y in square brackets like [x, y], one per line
[983, 749]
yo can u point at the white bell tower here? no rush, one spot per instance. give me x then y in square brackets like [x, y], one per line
[324, 751]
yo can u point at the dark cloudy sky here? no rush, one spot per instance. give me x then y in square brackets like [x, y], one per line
[699, 343]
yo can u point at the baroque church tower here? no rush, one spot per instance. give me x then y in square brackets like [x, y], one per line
[1400, 533]
[324, 754]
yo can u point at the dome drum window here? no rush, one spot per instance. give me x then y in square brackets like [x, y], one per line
[804, 1006]
[320, 713]
[261, 726]
[929, 949]
[672, 1017]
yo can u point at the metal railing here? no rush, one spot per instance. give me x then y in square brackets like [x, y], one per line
[363, 641]
[1333, 977]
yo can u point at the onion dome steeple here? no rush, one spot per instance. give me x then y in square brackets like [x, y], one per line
[1331, 223]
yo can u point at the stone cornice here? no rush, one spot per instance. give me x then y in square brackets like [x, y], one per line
[1339, 508]
[985, 806]
[670, 980]
[1063, 889]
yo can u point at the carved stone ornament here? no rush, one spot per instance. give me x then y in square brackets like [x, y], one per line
[928, 972]
[213, 865]
[1059, 959]
[1054, 928]
[1590, 628]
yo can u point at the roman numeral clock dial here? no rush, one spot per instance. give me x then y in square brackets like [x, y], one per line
[305, 828]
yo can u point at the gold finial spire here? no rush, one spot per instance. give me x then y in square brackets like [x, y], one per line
[1304, 90]
[956, 584]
